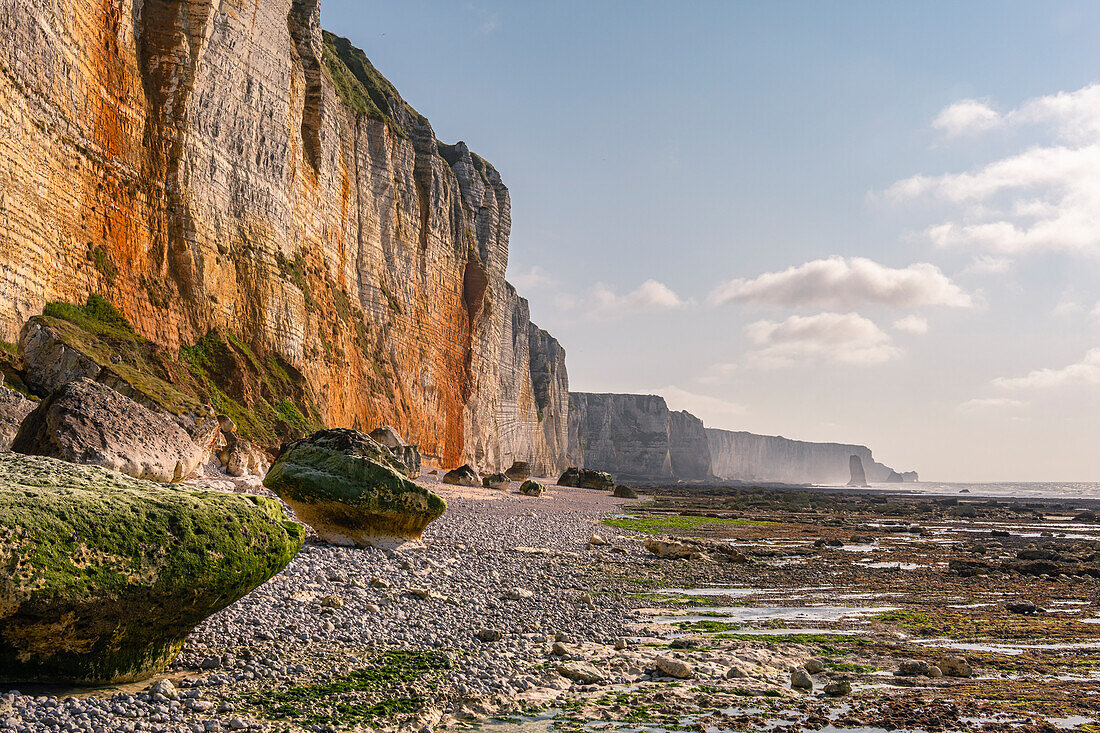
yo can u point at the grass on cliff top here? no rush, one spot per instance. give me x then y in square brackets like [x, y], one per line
[653, 524]
[360, 85]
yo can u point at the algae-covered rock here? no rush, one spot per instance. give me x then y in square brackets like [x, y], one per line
[625, 492]
[586, 478]
[496, 481]
[340, 483]
[102, 576]
[462, 476]
[531, 488]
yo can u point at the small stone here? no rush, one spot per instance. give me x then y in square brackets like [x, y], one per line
[332, 602]
[559, 649]
[379, 584]
[813, 666]
[736, 672]
[489, 635]
[934, 671]
[519, 594]
[164, 687]
[620, 643]
[838, 688]
[597, 541]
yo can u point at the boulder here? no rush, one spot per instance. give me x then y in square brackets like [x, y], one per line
[496, 481]
[88, 422]
[1027, 608]
[586, 478]
[955, 667]
[243, 458]
[14, 407]
[838, 688]
[520, 471]
[462, 476]
[859, 477]
[668, 549]
[409, 456]
[531, 488]
[582, 673]
[674, 667]
[387, 437]
[801, 680]
[913, 668]
[114, 572]
[340, 482]
[625, 492]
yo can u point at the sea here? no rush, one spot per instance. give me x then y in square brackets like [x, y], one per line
[1019, 490]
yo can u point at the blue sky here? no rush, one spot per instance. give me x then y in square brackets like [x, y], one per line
[688, 145]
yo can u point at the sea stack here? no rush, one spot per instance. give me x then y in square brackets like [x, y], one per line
[859, 478]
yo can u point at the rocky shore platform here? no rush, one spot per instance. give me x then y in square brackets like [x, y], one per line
[769, 610]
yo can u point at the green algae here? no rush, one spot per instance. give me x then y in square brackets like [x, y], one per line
[657, 524]
[377, 692]
[104, 575]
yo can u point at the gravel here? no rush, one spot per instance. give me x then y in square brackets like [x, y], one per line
[500, 576]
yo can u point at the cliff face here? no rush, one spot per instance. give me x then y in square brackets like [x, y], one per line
[636, 436]
[217, 166]
[534, 393]
[749, 457]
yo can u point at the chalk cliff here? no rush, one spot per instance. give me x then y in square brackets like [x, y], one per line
[636, 436]
[213, 166]
[748, 457]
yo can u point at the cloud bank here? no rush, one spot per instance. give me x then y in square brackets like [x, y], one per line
[837, 338]
[837, 282]
[1084, 372]
[1044, 198]
[603, 302]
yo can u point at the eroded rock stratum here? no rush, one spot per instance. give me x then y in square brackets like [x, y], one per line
[209, 167]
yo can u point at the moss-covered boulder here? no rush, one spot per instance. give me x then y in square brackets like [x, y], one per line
[531, 488]
[340, 482]
[102, 576]
[625, 492]
[586, 478]
[496, 481]
[519, 471]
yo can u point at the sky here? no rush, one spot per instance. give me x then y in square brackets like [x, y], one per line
[863, 222]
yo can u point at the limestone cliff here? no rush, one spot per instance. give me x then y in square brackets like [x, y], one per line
[636, 436]
[748, 457]
[228, 167]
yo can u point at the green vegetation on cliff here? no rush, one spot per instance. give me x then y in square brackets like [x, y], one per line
[264, 395]
[362, 87]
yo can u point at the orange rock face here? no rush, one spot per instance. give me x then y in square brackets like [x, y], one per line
[209, 165]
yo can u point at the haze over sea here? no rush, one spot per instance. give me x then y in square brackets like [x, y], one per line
[1018, 489]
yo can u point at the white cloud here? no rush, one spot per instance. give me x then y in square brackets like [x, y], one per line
[1066, 308]
[839, 338]
[713, 411]
[532, 279]
[991, 403]
[912, 324]
[837, 282]
[603, 302]
[988, 264]
[1084, 372]
[967, 116]
[1044, 198]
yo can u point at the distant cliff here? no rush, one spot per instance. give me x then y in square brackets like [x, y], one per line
[208, 166]
[636, 436]
[748, 457]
